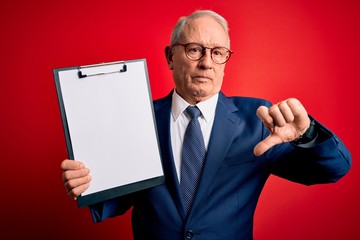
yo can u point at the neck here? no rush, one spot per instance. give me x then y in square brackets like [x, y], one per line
[194, 98]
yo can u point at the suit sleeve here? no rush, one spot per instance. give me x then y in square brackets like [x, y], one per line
[324, 161]
[111, 208]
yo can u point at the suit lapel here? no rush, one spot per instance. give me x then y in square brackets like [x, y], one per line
[163, 111]
[221, 138]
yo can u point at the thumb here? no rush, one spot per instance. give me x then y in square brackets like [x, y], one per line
[266, 144]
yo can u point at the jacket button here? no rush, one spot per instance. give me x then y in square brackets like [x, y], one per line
[189, 234]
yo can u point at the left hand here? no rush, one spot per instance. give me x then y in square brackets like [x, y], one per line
[286, 121]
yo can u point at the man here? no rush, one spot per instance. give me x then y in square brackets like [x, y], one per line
[244, 140]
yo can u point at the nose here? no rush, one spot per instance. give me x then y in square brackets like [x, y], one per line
[206, 62]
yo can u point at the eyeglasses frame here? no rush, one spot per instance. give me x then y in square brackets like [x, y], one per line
[203, 51]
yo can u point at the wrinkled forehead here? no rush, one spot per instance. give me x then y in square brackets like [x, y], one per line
[205, 30]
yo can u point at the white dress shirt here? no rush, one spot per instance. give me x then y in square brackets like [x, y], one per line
[180, 120]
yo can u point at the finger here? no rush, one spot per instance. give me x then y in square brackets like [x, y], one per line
[263, 114]
[76, 192]
[266, 144]
[77, 186]
[73, 174]
[277, 116]
[71, 165]
[74, 183]
[296, 107]
[301, 118]
[286, 111]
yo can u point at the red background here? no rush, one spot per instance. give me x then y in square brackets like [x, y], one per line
[305, 49]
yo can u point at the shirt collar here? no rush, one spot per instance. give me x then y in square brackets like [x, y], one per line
[207, 107]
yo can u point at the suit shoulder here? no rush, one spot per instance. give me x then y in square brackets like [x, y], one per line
[248, 102]
[158, 103]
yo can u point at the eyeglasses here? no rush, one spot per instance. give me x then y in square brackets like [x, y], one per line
[195, 51]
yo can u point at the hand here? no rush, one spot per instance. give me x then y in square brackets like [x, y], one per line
[76, 177]
[286, 121]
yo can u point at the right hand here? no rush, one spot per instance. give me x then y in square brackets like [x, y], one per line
[75, 177]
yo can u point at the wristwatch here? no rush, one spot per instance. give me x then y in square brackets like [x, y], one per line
[310, 134]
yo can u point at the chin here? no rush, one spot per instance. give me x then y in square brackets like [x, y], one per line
[202, 95]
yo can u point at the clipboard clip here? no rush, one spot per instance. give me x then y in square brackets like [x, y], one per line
[81, 75]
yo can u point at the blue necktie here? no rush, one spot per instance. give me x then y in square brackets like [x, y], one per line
[193, 155]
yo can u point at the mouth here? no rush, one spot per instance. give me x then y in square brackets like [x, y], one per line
[201, 78]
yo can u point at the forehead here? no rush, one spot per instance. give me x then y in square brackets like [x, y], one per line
[205, 30]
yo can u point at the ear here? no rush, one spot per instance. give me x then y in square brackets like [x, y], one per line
[169, 55]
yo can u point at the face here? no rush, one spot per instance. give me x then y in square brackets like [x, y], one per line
[197, 81]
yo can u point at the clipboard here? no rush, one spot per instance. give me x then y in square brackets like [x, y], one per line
[109, 124]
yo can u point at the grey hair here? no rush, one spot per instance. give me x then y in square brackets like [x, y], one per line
[183, 21]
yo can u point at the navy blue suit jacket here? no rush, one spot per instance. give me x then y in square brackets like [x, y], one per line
[232, 178]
